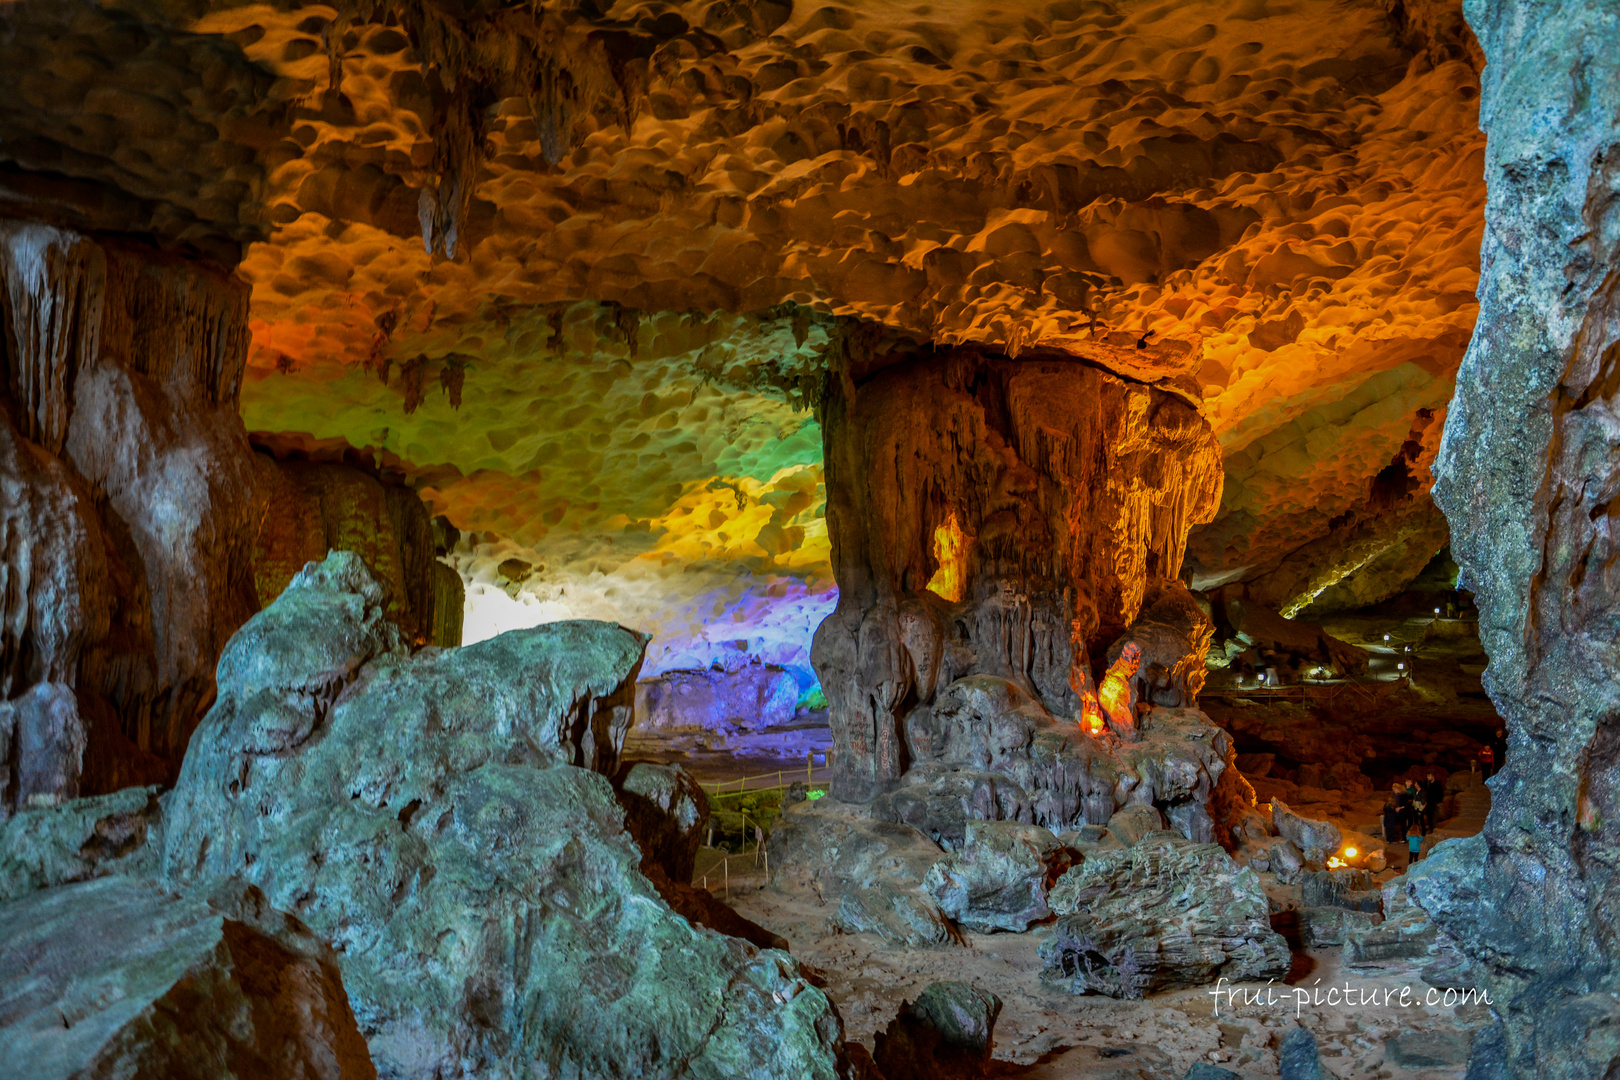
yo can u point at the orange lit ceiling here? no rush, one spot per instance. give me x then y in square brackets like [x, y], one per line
[1289, 190]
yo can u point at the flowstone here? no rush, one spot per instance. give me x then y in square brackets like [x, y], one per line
[436, 817]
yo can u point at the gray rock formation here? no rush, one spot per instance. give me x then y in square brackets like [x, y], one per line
[1315, 839]
[940, 801]
[1068, 778]
[946, 1034]
[427, 816]
[1525, 475]
[120, 833]
[1134, 822]
[868, 872]
[1298, 1057]
[753, 697]
[117, 977]
[1165, 913]
[998, 881]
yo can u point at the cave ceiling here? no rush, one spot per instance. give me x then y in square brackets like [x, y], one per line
[578, 268]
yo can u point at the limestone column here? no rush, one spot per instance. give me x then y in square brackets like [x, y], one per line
[996, 516]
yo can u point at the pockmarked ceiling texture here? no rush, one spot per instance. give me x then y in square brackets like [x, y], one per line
[579, 267]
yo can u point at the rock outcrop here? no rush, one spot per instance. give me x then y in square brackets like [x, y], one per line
[1526, 474]
[749, 698]
[117, 977]
[128, 481]
[1052, 774]
[137, 524]
[443, 819]
[998, 881]
[1007, 532]
[307, 509]
[946, 1034]
[120, 833]
[1163, 913]
[868, 872]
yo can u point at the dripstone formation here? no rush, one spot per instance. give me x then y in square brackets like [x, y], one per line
[1057, 493]
[138, 528]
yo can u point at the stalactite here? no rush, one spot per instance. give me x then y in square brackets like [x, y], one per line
[53, 297]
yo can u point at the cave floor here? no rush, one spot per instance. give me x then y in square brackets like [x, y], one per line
[1045, 1032]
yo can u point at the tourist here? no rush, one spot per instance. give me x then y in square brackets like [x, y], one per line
[1394, 827]
[1499, 748]
[1403, 804]
[1487, 761]
[1420, 809]
[1434, 793]
[1414, 845]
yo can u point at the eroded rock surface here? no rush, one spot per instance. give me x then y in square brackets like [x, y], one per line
[869, 872]
[437, 818]
[1527, 466]
[118, 977]
[120, 833]
[1163, 913]
[998, 881]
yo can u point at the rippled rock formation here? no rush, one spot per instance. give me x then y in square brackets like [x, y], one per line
[443, 819]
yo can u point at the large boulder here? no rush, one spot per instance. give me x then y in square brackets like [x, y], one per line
[117, 977]
[1166, 913]
[1314, 838]
[946, 1034]
[998, 880]
[868, 872]
[427, 816]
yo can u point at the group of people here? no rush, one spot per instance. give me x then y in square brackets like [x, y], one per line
[1412, 811]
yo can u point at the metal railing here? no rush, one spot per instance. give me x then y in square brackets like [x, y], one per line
[1365, 691]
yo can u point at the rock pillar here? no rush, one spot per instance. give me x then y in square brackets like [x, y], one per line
[1529, 470]
[992, 516]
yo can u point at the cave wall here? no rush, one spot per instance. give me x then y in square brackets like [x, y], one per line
[139, 529]
[121, 372]
[309, 508]
[1068, 490]
[1527, 477]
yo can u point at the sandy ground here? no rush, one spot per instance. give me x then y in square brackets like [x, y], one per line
[1045, 1032]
